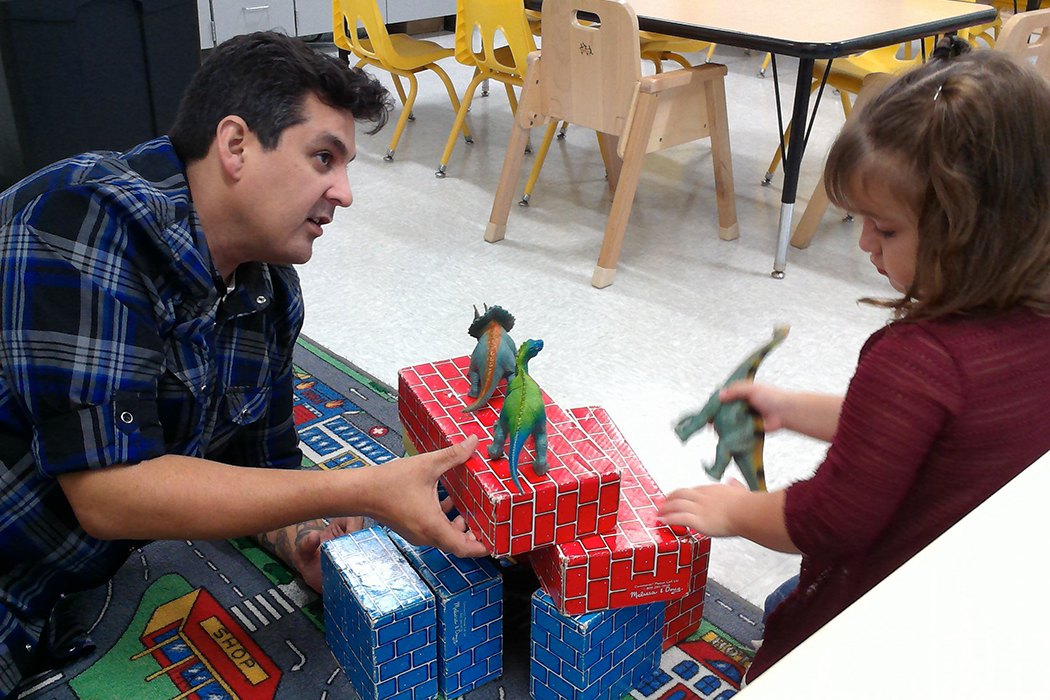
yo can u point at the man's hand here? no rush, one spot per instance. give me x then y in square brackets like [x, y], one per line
[404, 498]
[299, 545]
[306, 549]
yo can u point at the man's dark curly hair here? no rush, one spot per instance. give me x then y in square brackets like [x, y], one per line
[264, 79]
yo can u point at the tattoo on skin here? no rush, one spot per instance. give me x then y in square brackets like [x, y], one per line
[279, 542]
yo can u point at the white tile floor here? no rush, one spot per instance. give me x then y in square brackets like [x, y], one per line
[393, 279]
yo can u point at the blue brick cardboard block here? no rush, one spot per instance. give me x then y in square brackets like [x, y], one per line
[597, 656]
[469, 595]
[380, 618]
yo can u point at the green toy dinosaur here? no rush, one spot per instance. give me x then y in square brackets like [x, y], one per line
[494, 355]
[523, 414]
[739, 427]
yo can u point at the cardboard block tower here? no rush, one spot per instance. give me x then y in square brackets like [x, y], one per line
[588, 526]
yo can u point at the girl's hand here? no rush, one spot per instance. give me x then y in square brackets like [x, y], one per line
[706, 509]
[771, 403]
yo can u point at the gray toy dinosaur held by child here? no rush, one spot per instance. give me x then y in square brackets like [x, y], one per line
[739, 427]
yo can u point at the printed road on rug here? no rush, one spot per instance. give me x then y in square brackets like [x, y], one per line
[225, 621]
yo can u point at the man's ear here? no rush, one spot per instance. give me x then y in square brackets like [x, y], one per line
[231, 137]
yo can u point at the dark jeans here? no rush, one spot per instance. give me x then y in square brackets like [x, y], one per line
[777, 597]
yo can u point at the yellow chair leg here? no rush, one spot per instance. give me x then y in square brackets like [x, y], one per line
[678, 58]
[534, 174]
[511, 98]
[406, 112]
[657, 61]
[776, 158]
[461, 116]
[710, 52]
[765, 65]
[787, 135]
[452, 96]
[400, 90]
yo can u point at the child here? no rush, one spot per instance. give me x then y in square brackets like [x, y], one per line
[950, 169]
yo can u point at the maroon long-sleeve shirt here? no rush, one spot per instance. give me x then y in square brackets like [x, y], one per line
[938, 417]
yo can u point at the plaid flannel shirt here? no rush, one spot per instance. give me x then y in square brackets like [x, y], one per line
[119, 343]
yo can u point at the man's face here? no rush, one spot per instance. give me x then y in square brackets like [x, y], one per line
[289, 193]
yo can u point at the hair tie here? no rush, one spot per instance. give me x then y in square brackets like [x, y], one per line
[950, 46]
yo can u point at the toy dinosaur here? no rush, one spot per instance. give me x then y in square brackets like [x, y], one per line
[739, 427]
[493, 357]
[523, 414]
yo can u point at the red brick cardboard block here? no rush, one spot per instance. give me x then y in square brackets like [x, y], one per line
[682, 617]
[578, 496]
[643, 561]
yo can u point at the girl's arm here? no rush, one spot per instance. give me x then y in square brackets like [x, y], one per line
[815, 415]
[731, 510]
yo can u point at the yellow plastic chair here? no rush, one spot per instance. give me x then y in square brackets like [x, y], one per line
[399, 54]
[870, 86]
[1026, 36]
[591, 76]
[662, 47]
[846, 76]
[339, 31]
[504, 62]
[847, 73]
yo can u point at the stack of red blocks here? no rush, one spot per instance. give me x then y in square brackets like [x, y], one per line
[589, 525]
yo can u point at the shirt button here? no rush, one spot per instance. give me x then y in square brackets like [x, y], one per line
[126, 417]
[260, 300]
[29, 647]
[204, 387]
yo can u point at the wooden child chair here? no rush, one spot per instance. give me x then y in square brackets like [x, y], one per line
[1026, 36]
[590, 75]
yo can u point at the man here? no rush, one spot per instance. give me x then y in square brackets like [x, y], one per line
[146, 331]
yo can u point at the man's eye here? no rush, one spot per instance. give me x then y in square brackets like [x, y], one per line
[325, 158]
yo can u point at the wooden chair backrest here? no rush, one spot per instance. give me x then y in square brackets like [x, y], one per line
[590, 70]
[1015, 35]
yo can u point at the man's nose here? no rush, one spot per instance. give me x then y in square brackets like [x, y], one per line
[339, 193]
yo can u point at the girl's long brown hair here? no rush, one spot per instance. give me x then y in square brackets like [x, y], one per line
[966, 140]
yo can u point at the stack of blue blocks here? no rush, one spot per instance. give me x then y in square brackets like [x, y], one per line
[597, 656]
[380, 618]
[469, 595]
